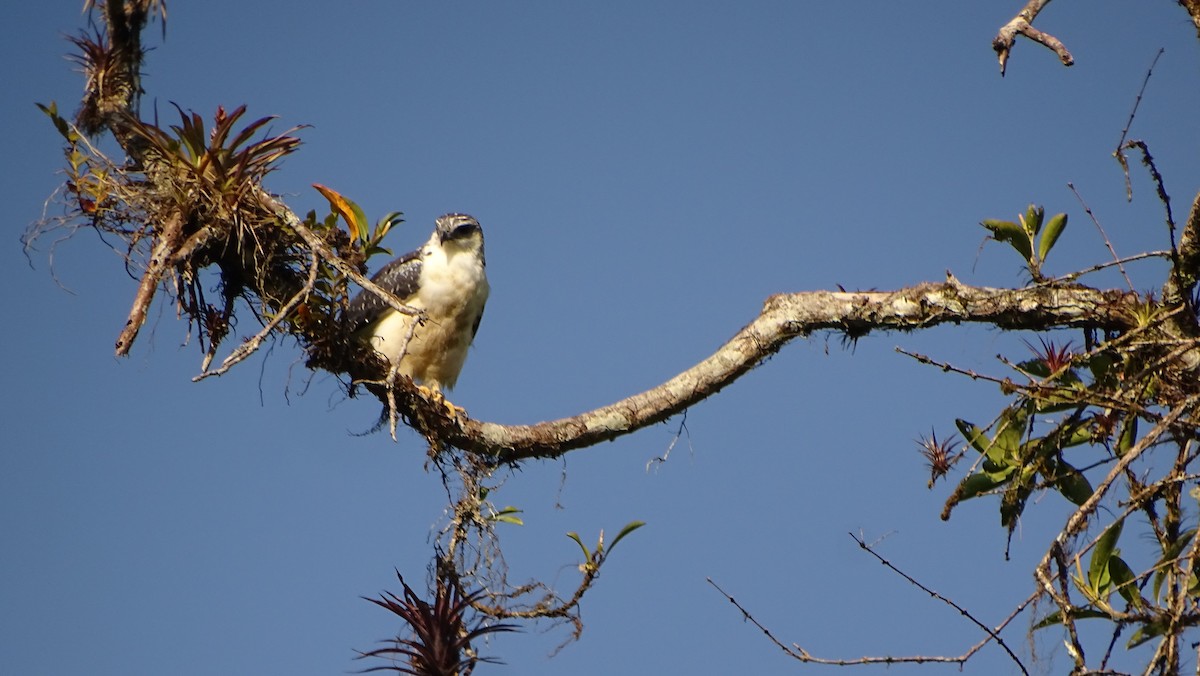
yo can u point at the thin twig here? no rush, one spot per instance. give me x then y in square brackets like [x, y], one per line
[1072, 276]
[1136, 102]
[1103, 235]
[658, 460]
[1159, 185]
[251, 345]
[796, 652]
[962, 611]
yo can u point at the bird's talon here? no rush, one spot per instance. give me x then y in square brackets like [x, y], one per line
[435, 397]
[453, 411]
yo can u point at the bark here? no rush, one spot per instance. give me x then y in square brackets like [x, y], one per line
[785, 317]
[1022, 24]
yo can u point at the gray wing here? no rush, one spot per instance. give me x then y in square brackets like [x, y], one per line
[475, 328]
[399, 277]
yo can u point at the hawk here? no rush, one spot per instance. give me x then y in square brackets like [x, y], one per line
[447, 279]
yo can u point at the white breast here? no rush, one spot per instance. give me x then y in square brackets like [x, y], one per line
[453, 290]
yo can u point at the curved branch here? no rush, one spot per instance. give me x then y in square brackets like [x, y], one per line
[1022, 24]
[783, 318]
[1193, 10]
[161, 259]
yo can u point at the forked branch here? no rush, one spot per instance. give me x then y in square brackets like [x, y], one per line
[1022, 24]
[991, 634]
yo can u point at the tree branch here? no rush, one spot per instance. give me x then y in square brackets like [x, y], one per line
[783, 318]
[1193, 10]
[161, 260]
[1022, 24]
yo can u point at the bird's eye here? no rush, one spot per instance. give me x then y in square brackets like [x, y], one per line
[465, 229]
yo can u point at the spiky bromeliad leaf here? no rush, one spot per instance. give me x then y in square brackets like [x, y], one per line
[440, 634]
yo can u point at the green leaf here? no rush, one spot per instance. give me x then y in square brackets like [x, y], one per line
[974, 435]
[1098, 573]
[508, 515]
[1055, 404]
[1071, 432]
[385, 224]
[1173, 551]
[1034, 367]
[1073, 485]
[59, 123]
[1122, 576]
[998, 474]
[1128, 435]
[976, 485]
[575, 536]
[360, 220]
[1082, 614]
[629, 528]
[1032, 220]
[1010, 430]
[1013, 234]
[1054, 228]
[1145, 633]
[1100, 365]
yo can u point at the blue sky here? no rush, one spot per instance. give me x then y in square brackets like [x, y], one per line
[646, 174]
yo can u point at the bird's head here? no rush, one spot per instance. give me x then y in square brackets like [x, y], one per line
[459, 230]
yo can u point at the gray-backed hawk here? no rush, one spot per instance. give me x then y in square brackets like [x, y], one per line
[447, 279]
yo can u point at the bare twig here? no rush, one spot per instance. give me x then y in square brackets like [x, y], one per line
[1120, 262]
[1129, 123]
[1159, 185]
[962, 611]
[1103, 235]
[797, 652]
[660, 459]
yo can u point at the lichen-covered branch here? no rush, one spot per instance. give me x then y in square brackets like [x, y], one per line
[783, 318]
[1193, 10]
[1180, 286]
[1022, 24]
